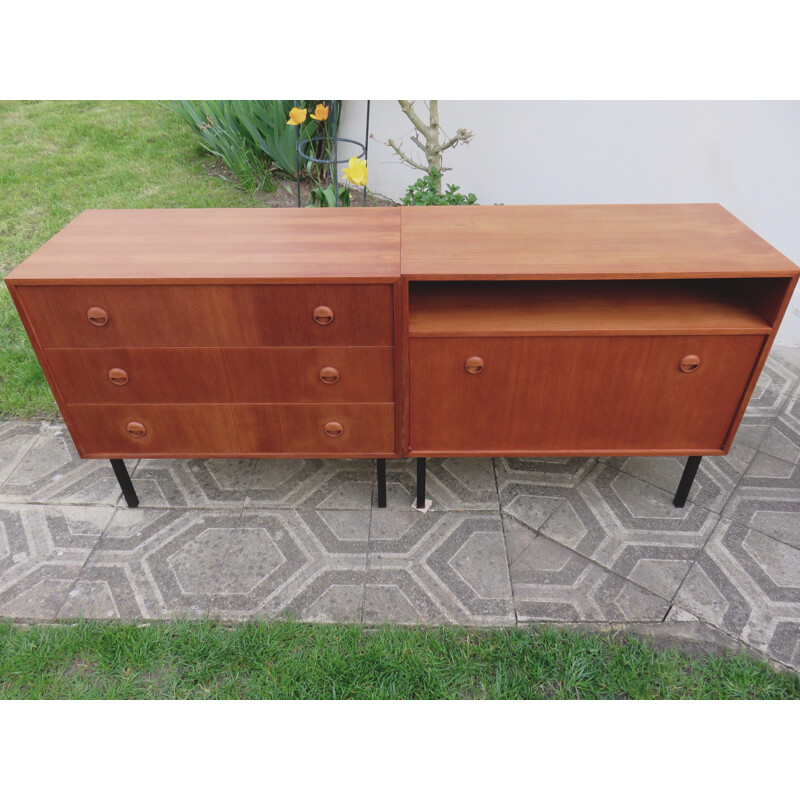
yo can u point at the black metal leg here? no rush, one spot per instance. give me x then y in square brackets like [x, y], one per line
[689, 472]
[125, 483]
[381, 483]
[421, 482]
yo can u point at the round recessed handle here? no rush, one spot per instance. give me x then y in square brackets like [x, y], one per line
[690, 363]
[136, 429]
[334, 429]
[118, 376]
[473, 365]
[323, 315]
[97, 316]
[329, 375]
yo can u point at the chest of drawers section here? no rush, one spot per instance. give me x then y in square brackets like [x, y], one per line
[220, 370]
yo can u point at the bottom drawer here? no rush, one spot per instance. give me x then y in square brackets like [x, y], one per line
[247, 429]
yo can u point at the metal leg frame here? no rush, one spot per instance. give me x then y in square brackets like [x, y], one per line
[381, 483]
[684, 487]
[125, 483]
[421, 465]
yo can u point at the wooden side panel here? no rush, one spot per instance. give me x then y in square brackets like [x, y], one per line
[211, 316]
[224, 375]
[576, 394]
[208, 431]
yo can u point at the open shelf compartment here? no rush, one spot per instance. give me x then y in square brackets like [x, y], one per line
[586, 307]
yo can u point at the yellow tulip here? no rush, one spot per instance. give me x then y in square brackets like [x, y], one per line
[297, 116]
[356, 171]
[321, 113]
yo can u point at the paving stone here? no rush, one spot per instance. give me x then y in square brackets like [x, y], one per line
[51, 471]
[632, 529]
[530, 489]
[154, 564]
[453, 484]
[747, 584]
[16, 438]
[192, 483]
[42, 550]
[553, 583]
[768, 499]
[304, 564]
[714, 483]
[334, 483]
[437, 568]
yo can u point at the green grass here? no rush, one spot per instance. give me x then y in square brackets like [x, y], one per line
[293, 660]
[58, 158]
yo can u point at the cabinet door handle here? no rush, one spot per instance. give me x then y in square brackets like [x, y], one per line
[118, 376]
[97, 316]
[473, 365]
[690, 363]
[323, 315]
[136, 429]
[334, 429]
[329, 375]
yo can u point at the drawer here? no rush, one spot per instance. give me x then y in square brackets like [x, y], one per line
[224, 375]
[247, 429]
[578, 394]
[210, 315]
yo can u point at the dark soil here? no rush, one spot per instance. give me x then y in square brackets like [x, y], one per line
[285, 196]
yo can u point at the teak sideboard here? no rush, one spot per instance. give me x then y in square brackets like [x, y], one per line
[389, 332]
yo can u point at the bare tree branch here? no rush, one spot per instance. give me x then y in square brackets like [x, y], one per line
[403, 157]
[428, 139]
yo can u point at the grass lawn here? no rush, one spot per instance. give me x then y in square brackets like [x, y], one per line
[294, 660]
[58, 158]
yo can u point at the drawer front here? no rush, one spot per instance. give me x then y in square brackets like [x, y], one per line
[243, 315]
[576, 394]
[224, 375]
[205, 431]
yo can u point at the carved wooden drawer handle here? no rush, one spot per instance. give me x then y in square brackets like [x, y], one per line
[473, 365]
[334, 429]
[690, 363]
[97, 316]
[118, 376]
[136, 429]
[323, 315]
[329, 375]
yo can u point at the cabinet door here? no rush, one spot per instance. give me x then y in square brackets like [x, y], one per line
[576, 395]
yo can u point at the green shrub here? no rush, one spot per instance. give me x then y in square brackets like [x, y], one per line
[424, 193]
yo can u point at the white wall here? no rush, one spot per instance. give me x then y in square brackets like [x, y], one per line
[744, 155]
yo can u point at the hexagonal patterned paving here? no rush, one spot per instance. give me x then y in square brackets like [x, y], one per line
[506, 541]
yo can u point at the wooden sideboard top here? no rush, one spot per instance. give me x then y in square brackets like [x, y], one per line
[218, 245]
[583, 241]
[230, 245]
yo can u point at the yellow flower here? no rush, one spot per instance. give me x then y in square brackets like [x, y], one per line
[297, 116]
[356, 171]
[320, 113]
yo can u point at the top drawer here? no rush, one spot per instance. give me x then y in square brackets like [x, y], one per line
[208, 315]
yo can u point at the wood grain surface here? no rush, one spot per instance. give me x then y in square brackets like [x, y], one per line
[576, 394]
[601, 241]
[220, 245]
[211, 316]
[224, 430]
[224, 375]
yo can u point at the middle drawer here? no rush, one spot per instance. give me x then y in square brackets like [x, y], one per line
[224, 375]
